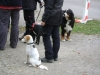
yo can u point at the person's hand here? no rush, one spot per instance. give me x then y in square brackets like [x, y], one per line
[42, 23]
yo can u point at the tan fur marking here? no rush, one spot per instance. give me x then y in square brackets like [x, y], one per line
[27, 38]
[62, 38]
[68, 37]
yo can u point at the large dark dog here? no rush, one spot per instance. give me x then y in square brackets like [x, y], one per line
[36, 31]
[67, 24]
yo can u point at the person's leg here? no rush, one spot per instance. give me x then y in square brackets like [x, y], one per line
[29, 20]
[14, 28]
[47, 42]
[25, 15]
[9, 26]
[4, 21]
[25, 12]
[56, 41]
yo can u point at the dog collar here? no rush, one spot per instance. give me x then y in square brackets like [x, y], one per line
[30, 43]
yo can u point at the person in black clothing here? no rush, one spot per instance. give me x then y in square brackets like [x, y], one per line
[29, 6]
[51, 21]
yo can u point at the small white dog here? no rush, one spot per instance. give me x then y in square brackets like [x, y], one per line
[32, 53]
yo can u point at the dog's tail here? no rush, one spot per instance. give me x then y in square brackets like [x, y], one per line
[43, 67]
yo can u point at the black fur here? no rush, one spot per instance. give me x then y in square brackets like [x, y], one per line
[37, 30]
[70, 13]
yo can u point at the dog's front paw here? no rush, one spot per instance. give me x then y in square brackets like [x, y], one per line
[26, 62]
[69, 40]
[63, 40]
[30, 65]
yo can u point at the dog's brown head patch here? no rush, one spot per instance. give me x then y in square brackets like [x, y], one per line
[27, 37]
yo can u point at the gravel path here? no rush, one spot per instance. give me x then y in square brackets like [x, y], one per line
[79, 57]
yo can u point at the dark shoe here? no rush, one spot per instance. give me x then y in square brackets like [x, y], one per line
[12, 46]
[47, 60]
[21, 38]
[2, 49]
[55, 59]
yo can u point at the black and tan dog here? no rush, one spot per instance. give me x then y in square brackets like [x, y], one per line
[67, 24]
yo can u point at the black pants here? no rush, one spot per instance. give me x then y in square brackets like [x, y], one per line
[29, 20]
[51, 47]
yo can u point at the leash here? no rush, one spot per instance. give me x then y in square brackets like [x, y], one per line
[39, 11]
[41, 5]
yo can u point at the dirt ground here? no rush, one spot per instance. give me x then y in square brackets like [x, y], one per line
[78, 57]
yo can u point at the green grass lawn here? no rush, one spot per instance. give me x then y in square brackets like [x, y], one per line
[90, 28]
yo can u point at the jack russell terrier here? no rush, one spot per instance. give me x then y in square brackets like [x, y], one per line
[32, 53]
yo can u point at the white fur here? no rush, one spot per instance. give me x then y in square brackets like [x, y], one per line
[69, 40]
[68, 27]
[66, 16]
[32, 53]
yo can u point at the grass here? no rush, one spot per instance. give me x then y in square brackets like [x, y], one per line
[90, 28]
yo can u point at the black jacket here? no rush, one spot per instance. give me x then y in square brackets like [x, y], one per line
[52, 12]
[30, 4]
[11, 3]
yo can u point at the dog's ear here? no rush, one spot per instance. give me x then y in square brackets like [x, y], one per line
[27, 38]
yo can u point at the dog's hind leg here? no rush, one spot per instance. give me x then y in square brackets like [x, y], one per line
[33, 62]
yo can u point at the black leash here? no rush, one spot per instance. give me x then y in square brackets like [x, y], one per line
[39, 12]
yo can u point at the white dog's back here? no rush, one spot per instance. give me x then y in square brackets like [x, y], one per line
[34, 57]
[32, 52]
